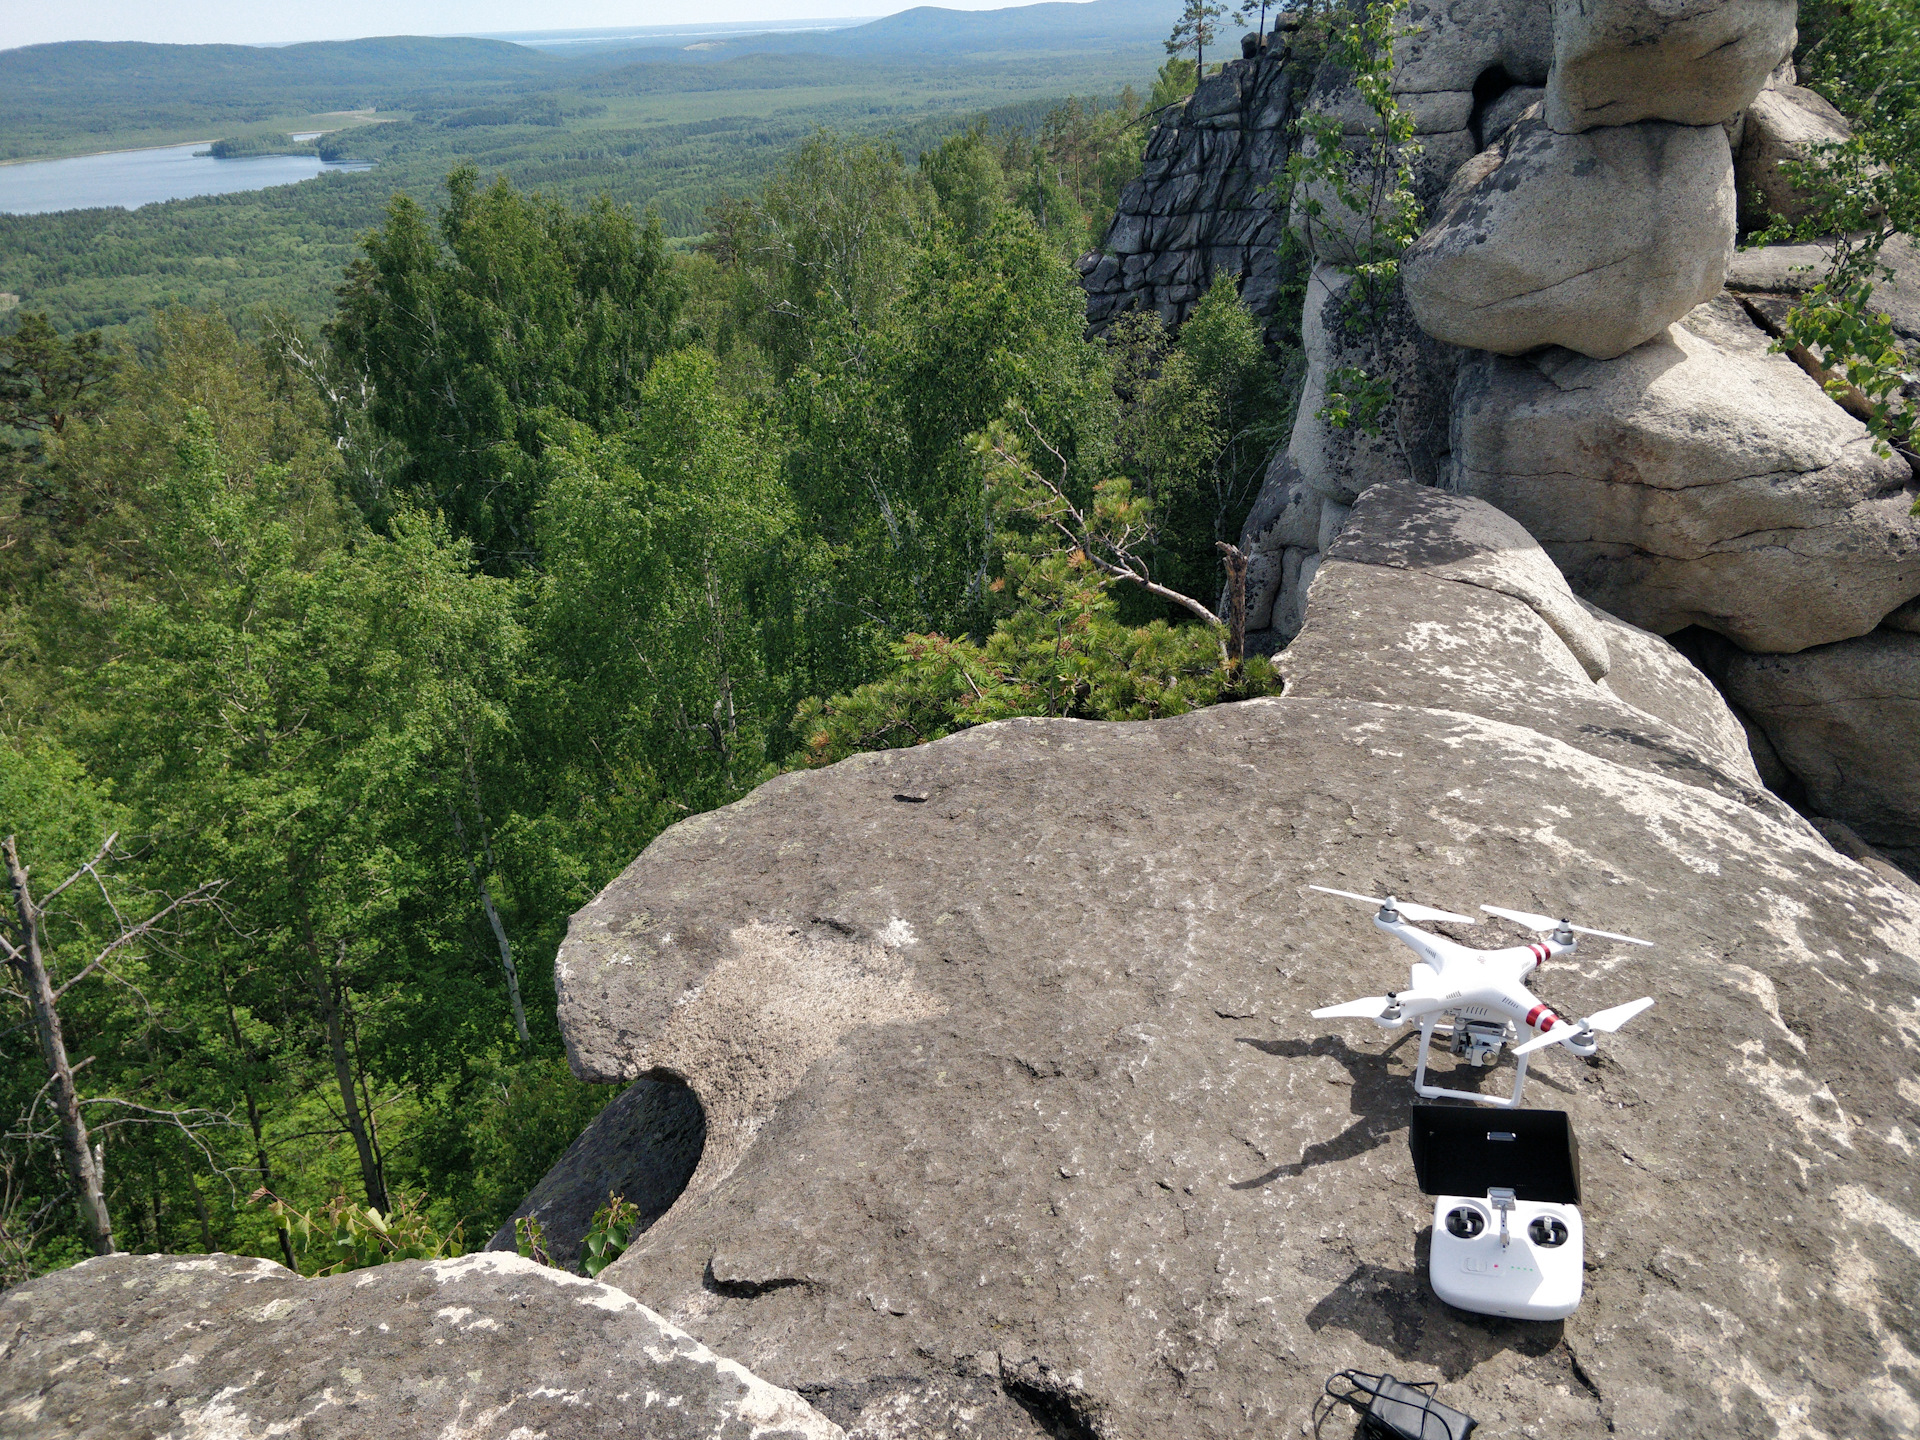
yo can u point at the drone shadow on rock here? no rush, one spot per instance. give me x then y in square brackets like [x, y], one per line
[1394, 1311]
[1382, 1098]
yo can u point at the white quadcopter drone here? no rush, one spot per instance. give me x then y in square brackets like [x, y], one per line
[1475, 997]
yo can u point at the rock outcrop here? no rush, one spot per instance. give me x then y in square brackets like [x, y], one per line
[487, 1347]
[1829, 714]
[1783, 125]
[1691, 62]
[1060, 1137]
[1595, 242]
[1696, 480]
[1200, 206]
[1770, 278]
[1563, 319]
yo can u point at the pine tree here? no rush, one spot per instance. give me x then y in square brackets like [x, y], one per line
[1197, 26]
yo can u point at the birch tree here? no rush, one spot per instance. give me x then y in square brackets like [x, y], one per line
[40, 989]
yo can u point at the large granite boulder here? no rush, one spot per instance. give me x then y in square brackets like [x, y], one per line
[1501, 636]
[1782, 125]
[1450, 537]
[1595, 242]
[1451, 46]
[1449, 57]
[1013, 1098]
[1696, 480]
[1845, 719]
[1693, 62]
[487, 1347]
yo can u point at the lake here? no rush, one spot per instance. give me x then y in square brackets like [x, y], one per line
[132, 178]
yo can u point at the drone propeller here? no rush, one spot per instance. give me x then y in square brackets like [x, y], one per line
[1544, 923]
[1372, 1007]
[1605, 1021]
[1408, 911]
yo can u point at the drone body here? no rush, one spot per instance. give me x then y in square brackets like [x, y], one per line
[1479, 995]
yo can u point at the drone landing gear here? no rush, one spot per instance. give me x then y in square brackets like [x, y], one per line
[1435, 1092]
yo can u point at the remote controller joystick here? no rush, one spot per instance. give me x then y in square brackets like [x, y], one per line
[1547, 1232]
[1464, 1222]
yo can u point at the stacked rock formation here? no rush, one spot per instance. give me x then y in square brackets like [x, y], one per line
[1201, 205]
[1464, 74]
[1577, 342]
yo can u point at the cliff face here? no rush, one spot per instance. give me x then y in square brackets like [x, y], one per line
[1202, 206]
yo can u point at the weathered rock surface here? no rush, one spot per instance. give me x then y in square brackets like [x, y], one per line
[1325, 467]
[1595, 242]
[1845, 719]
[1504, 112]
[1696, 480]
[1457, 64]
[1285, 519]
[1516, 644]
[1450, 537]
[1011, 1088]
[1452, 44]
[1781, 125]
[487, 1347]
[1340, 461]
[1693, 62]
[642, 1147]
[1337, 234]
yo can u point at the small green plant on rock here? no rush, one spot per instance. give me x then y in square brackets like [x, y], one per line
[344, 1236]
[614, 1225]
[530, 1239]
[1362, 193]
[1860, 194]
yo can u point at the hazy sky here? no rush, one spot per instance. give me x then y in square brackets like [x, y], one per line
[246, 22]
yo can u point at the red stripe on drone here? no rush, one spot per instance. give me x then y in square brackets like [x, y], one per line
[1540, 1018]
[1540, 952]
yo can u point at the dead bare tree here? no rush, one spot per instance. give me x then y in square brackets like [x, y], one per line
[485, 892]
[1112, 544]
[26, 954]
[1236, 562]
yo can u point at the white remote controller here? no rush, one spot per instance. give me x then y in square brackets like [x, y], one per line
[1502, 1256]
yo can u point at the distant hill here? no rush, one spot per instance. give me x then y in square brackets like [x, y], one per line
[330, 73]
[927, 29]
[81, 96]
[928, 32]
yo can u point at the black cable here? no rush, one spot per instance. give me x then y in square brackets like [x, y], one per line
[1398, 1409]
